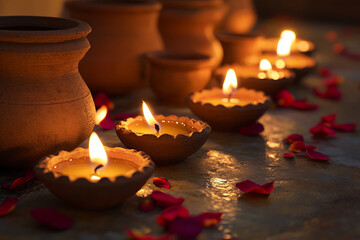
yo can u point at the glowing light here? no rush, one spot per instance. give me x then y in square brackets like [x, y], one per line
[150, 120]
[303, 46]
[230, 83]
[288, 34]
[261, 75]
[280, 64]
[265, 65]
[274, 75]
[100, 114]
[97, 151]
[284, 47]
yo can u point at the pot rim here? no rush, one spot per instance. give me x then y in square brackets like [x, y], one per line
[114, 6]
[17, 29]
[235, 37]
[191, 3]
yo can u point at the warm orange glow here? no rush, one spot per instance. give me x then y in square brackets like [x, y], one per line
[274, 75]
[97, 151]
[284, 47]
[280, 64]
[261, 75]
[288, 34]
[100, 114]
[265, 65]
[230, 83]
[150, 120]
[303, 46]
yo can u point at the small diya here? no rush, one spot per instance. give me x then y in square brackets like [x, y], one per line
[262, 78]
[166, 139]
[97, 178]
[229, 108]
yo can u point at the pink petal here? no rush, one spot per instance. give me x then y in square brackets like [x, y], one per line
[294, 137]
[102, 99]
[146, 205]
[170, 213]
[107, 123]
[329, 118]
[52, 218]
[138, 236]
[297, 146]
[161, 182]
[209, 219]
[316, 155]
[303, 105]
[185, 228]
[289, 155]
[345, 127]
[284, 98]
[123, 116]
[250, 186]
[252, 129]
[29, 175]
[7, 206]
[165, 200]
[322, 131]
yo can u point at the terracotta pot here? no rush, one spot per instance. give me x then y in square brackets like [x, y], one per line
[122, 33]
[189, 26]
[45, 104]
[173, 75]
[239, 46]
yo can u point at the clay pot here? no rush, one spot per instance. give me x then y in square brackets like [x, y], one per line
[189, 26]
[45, 104]
[123, 31]
[173, 75]
[239, 46]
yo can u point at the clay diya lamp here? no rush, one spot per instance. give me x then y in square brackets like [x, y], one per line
[97, 178]
[166, 139]
[262, 78]
[269, 45]
[229, 108]
[238, 46]
[174, 75]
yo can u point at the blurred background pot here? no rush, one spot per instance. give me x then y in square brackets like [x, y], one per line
[45, 104]
[123, 31]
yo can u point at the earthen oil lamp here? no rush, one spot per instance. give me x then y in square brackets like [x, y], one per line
[299, 63]
[229, 108]
[97, 178]
[166, 139]
[263, 78]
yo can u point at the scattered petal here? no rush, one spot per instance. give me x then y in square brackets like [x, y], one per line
[324, 72]
[52, 218]
[209, 219]
[250, 186]
[29, 175]
[332, 92]
[161, 182]
[316, 155]
[329, 118]
[284, 98]
[339, 48]
[289, 155]
[185, 228]
[170, 213]
[123, 116]
[297, 146]
[322, 131]
[345, 127]
[147, 205]
[303, 105]
[293, 138]
[107, 123]
[7, 206]
[102, 99]
[165, 200]
[336, 80]
[134, 235]
[252, 129]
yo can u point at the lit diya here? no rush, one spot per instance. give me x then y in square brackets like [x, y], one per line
[166, 139]
[95, 178]
[269, 45]
[229, 108]
[263, 78]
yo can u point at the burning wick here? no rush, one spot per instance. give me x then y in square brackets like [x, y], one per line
[97, 168]
[157, 128]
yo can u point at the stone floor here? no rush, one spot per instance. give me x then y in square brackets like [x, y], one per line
[311, 200]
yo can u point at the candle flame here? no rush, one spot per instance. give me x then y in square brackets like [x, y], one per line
[97, 151]
[230, 83]
[284, 47]
[265, 65]
[100, 114]
[150, 120]
[288, 34]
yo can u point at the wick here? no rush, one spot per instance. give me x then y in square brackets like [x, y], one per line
[97, 168]
[157, 128]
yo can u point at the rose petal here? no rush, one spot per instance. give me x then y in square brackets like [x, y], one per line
[329, 118]
[29, 175]
[161, 182]
[289, 155]
[336, 80]
[316, 155]
[303, 105]
[7, 206]
[209, 219]
[310, 147]
[102, 99]
[147, 205]
[332, 92]
[123, 116]
[284, 98]
[297, 146]
[250, 186]
[52, 218]
[107, 123]
[134, 235]
[293, 138]
[170, 213]
[165, 200]
[252, 129]
[345, 127]
[185, 228]
[339, 48]
[322, 131]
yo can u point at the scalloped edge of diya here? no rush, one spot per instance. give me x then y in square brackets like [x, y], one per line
[165, 149]
[102, 194]
[268, 85]
[224, 118]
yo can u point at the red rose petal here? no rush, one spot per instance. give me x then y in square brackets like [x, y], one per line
[316, 155]
[134, 235]
[147, 205]
[107, 123]
[165, 200]
[29, 175]
[303, 105]
[297, 146]
[7, 206]
[336, 80]
[252, 129]
[102, 99]
[293, 138]
[332, 92]
[329, 118]
[161, 182]
[284, 98]
[185, 228]
[209, 219]
[52, 218]
[322, 131]
[289, 155]
[345, 127]
[250, 186]
[123, 116]
[170, 213]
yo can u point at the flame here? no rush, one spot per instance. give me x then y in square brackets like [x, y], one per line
[230, 83]
[288, 34]
[150, 120]
[284, 47]
[100, 114]
[265, 65]
[97, 151]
